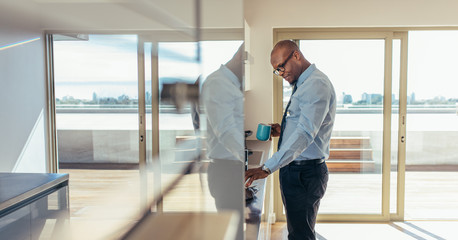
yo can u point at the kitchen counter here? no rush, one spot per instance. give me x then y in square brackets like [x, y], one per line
[28, 200]
[17, 189]
[254, 209]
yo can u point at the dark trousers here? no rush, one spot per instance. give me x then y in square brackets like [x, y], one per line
[302, 187]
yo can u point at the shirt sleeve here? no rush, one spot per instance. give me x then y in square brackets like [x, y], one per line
[219, 101]
[314, 105]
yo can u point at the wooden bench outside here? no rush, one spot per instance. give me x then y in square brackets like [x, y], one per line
[347, 154]
[350, 154]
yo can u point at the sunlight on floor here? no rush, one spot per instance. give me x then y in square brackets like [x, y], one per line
[425, 230]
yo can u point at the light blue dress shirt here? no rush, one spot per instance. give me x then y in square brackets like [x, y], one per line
[222, 98]
[309, 121]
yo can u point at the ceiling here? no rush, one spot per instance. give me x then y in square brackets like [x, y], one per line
[123, 15]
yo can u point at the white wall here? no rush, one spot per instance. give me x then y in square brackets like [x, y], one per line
[263, 16]
[22, 101]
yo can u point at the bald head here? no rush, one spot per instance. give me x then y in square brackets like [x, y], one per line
[287, 58]
[285, 45]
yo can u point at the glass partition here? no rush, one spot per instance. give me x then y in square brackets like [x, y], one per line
[146, 126]
[199, 163]
[208, 131]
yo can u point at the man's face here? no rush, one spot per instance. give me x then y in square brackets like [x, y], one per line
[285, 63]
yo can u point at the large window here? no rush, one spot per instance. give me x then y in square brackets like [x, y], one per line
[393, 149]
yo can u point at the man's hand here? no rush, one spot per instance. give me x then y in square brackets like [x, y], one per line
[275, 130]
[254, 174]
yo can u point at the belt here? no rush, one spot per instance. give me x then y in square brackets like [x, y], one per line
[307, 162]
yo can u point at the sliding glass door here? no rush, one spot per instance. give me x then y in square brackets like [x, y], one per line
[96, 94]
[97, 106]
[360, 66]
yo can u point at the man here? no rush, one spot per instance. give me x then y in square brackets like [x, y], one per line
[305, 134]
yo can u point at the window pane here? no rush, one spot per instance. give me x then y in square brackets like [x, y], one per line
[356, 69]
[96, 91]
[432, 126]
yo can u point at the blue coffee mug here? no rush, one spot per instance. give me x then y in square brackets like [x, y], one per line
[263, 132]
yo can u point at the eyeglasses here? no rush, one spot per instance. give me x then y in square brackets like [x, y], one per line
[281, 67]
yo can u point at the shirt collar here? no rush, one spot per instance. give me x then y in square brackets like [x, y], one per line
[306, 74]
[234, 79]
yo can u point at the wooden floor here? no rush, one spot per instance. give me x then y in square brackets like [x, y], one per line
[431, 206]
[111, 199]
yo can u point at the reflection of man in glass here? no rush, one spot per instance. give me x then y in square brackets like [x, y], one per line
[303, 145]
[223, 101]
[222, 98]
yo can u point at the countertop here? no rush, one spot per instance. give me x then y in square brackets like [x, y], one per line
[19, 188]
[253, 209]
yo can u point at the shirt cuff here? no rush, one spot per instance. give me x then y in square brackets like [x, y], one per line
[271, 165]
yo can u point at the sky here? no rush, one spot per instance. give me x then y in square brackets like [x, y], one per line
[107, 65]
[356, 66]
[432, 64]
